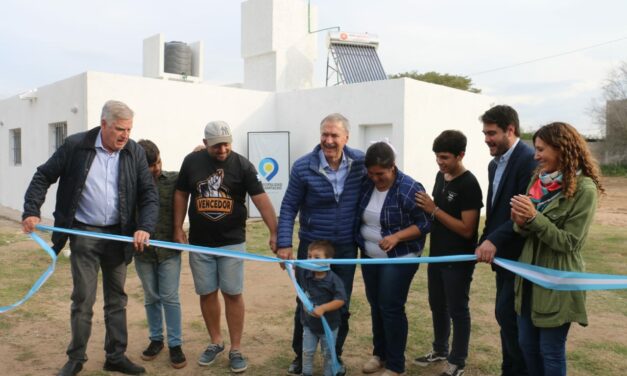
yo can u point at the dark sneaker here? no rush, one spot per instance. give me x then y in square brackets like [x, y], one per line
[71, 368]
[210, 354]
[124, 366]
[453, 370]
[153, 349]
[430, 358]
[177, 358]
[296, 367]
[237, 361]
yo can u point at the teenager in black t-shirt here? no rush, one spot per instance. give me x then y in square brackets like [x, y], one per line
[454, 210]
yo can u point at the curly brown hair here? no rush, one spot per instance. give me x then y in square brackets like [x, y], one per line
[574, 155]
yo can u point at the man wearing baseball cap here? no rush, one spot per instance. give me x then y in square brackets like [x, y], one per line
[218, 179]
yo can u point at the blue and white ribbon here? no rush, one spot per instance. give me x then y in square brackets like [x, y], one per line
[42, 279]
[548, 278]
[563, 280]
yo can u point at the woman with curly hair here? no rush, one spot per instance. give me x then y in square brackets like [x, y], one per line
[554, 217]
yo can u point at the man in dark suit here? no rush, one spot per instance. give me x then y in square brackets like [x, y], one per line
[509, 174]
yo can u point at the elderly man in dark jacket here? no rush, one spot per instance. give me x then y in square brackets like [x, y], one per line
[324, 190]
[103, 180]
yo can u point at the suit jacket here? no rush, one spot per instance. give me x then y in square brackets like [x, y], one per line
[498, 225]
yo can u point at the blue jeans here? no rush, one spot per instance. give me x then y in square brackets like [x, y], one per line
[449, 287]
[346, 274]
[161, 297]
[513, 360]
[387, 287]
[310, 342]
[544, 349]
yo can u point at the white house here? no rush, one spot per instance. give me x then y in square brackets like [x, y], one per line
[276, 95]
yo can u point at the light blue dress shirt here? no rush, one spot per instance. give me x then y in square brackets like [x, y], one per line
[336, 177]
[98, 204]
[501, 164]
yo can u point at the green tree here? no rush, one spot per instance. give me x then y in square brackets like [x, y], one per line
[450, 80]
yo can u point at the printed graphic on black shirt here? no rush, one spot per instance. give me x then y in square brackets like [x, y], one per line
[213, 200]
[451, 196]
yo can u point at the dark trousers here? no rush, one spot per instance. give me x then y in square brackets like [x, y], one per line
[89, 255]
[449, 288]
[387, 287]
[346, 274]
[544, 349]
[513, 361]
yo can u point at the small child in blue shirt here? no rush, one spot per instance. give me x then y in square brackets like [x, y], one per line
[327, 293]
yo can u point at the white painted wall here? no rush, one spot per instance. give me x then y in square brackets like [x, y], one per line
[53, 104]
[300, 112]
[173, 114]
[278, 51]
[431, 109]
[418, 112]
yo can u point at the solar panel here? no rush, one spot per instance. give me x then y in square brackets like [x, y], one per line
[357, 63]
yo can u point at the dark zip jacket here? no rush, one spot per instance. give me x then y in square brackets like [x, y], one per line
[70, 165]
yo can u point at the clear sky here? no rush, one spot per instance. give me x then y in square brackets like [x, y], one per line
[46, 41]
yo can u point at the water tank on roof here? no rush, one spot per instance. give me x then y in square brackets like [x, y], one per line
[178, 58]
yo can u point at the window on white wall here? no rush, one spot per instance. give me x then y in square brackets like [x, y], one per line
[58, 133]
[16, 146]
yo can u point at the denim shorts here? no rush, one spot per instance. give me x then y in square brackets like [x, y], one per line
[218, 272]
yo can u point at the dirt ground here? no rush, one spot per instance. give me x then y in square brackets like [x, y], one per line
[612, 208]
[35, 338]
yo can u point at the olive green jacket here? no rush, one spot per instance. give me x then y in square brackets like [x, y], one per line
[166, 184]
[554, 240]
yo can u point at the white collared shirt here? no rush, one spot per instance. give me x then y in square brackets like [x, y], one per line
[501, 164]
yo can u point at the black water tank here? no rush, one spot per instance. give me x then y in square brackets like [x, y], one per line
[178, 58]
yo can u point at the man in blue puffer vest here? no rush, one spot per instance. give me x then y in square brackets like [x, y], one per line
[324, 189]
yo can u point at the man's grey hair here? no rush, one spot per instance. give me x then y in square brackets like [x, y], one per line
[336, 118]
[113, 111]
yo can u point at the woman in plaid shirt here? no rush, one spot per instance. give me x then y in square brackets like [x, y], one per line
[390, 225]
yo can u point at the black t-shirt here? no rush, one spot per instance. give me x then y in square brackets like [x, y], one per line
[217, 213]
[453, 197]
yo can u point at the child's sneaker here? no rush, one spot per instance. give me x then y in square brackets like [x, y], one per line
[177, 358]
[153, 349]
[430, 358]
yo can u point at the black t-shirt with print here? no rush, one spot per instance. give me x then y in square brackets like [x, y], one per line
[460, 194]
[217, 211]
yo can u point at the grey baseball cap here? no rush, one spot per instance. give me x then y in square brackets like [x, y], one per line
[217, 132]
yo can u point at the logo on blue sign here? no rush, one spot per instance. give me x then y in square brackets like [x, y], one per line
[268, 168]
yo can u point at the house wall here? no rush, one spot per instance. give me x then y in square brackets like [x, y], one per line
[431, 109]
[54, 103]
[173, 114]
